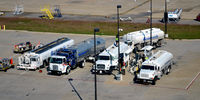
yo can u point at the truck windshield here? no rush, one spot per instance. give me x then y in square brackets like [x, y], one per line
[103, 57]
[56, 60]
[147, 67]
[33, 59]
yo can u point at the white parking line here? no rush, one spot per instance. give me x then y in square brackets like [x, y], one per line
[188, 86]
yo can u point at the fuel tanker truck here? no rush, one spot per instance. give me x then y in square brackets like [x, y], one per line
[155, 67]
[107, 61]
[142, 37]
[40, 57]
[76, 55]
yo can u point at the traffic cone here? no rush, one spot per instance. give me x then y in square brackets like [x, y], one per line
[40, 71]
[11, 61]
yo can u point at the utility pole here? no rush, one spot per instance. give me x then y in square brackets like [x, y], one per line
[95, 75]
[117, 40]
[151, 22]
[166, 17]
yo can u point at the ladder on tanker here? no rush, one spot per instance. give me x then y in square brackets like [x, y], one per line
[48, 13]
[50, 45]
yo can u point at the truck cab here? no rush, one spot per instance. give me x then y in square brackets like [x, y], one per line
[106, 63]
[108, 59]
[35, 61]
[59, 65]
[149, 73]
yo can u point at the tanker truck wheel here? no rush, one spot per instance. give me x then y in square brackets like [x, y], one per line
[110, 71]
[68, 70]
[168, 70]
[154, 81]
[135, 79]
[5, 70]
[159, 43]
[82, 65]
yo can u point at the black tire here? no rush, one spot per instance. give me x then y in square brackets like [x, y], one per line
[68, 69]
[82, 64]
[48, 68]
[21, 49]
[135, 79]
[5, 70]
[59, 73]
[154, 81]
[168, 71]
[123, 71]
[159, 43]
[110, 71]
[44, 64]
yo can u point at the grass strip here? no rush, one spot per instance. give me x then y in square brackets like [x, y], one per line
[175, 31]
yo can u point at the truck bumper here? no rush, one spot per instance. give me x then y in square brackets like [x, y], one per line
[25, 67]
[55, 72]
[145, 80]
[101, 71]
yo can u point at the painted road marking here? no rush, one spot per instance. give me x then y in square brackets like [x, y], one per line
[189, 85]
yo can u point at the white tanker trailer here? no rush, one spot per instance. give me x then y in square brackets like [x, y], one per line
[139, 38]
[40, 57]
[154, 68]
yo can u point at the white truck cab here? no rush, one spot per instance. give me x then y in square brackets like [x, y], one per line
[107, 61]
[58, 64]
[35, 62]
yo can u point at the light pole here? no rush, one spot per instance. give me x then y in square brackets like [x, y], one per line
[165, 17]
[117, 39]
[151, 22]
[95, 68]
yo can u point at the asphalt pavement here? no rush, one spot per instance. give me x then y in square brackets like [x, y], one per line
[181, 84]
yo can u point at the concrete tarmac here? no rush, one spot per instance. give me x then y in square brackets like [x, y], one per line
[181, 84]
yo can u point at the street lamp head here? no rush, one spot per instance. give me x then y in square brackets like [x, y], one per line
[119, 6]
[96, 29]
[120, 29]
